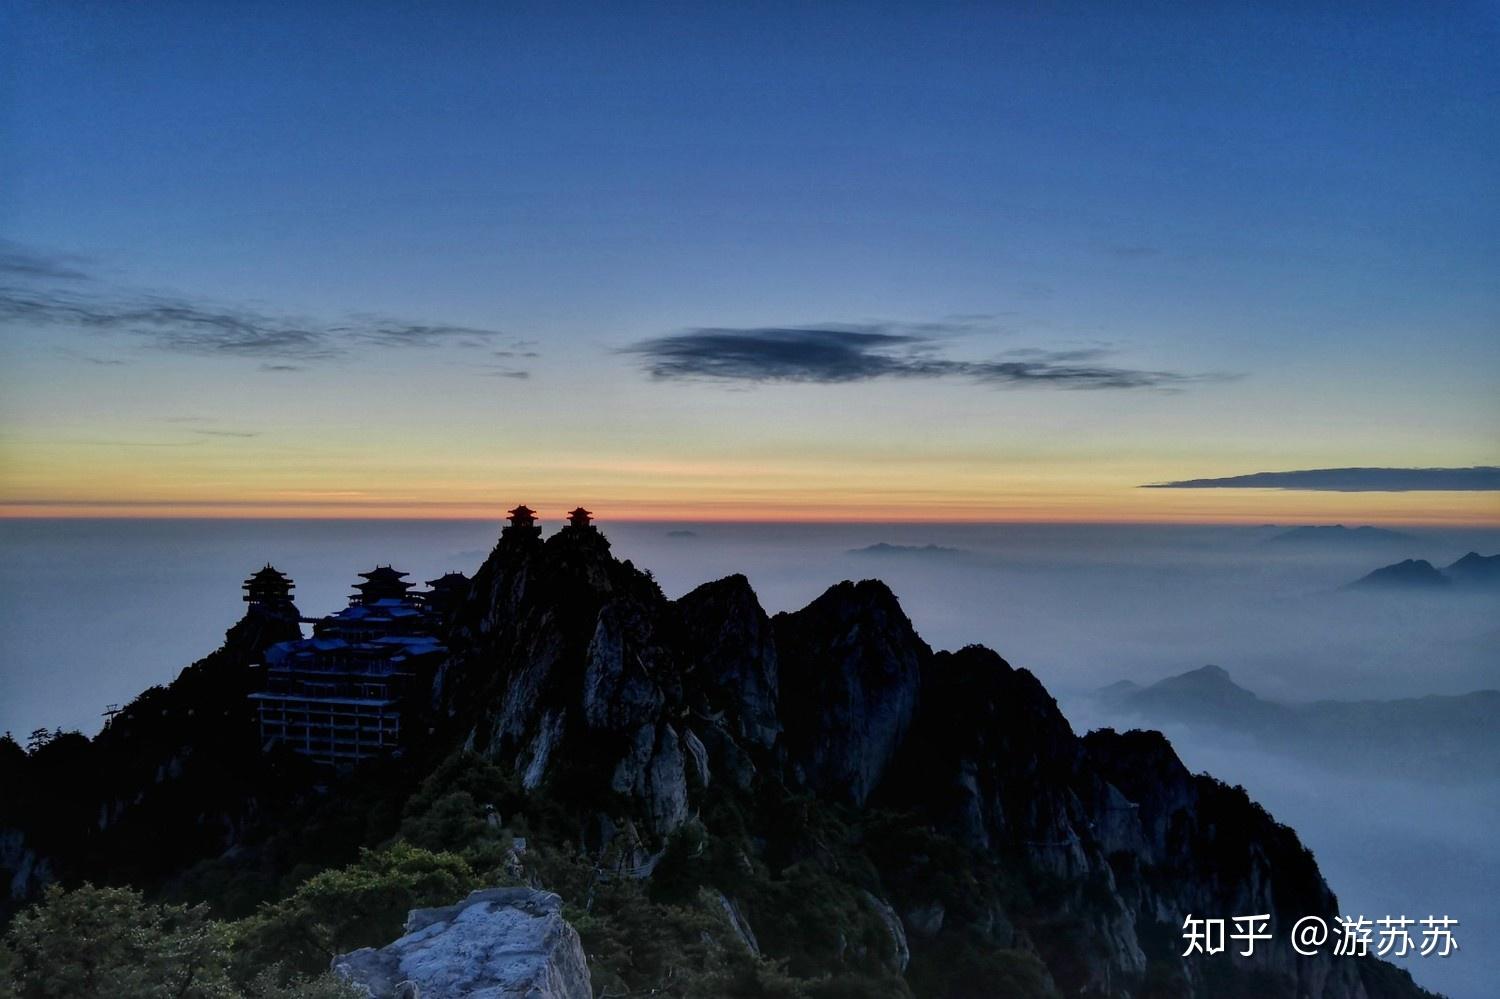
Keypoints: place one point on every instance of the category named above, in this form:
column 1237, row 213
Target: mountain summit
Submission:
column 1473, row 571
column 819, row 792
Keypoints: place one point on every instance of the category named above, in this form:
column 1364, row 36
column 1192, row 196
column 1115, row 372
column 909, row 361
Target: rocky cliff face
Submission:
column 650, row 717
column 851, row 681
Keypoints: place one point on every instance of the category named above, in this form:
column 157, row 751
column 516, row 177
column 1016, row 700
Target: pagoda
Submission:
column 268, row 589
column 380, row 583
column 522, row 523
column 580, row 518
column 446, row 592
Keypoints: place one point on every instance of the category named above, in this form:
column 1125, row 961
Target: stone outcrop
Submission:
column 23, row 874
column 503, row 943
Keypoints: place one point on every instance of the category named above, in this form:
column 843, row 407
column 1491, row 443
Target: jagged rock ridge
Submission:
column 576, row 669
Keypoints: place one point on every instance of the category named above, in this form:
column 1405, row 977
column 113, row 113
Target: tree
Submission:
column 358, row 906
column 109, row 942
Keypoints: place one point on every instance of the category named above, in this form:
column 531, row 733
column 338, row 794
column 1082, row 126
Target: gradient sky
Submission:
column 969, row 261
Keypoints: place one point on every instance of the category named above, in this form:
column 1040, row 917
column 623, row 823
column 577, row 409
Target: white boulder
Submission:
column 502, row 943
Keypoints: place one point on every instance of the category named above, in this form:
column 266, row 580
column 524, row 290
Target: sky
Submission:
column 824, row 262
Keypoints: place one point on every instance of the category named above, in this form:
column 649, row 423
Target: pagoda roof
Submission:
column 384, row 573
column 521, row 511
column 580, row 512
column 449, row 579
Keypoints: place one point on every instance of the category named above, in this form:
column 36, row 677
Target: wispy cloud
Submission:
column 78, row 355
column 1479, row 478
column 848, row 353
column 20, row 262
column 37, row 291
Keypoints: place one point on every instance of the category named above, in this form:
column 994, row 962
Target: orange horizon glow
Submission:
column 1270, row 506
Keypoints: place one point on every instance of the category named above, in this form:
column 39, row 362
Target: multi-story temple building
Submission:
column 268, row 589
column 341, row 695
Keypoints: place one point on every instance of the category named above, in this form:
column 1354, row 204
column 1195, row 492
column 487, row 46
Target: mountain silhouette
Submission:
column 1445, row 738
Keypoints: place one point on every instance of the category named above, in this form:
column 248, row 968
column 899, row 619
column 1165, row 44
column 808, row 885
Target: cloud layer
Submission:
column 1480, row 478
column 832, row 354
column 38, row 291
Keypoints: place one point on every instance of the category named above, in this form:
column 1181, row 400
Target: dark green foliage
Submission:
column 109, row 942
column 106, row 941
column 954, row 968
column 359, row 906
column 1164, row 980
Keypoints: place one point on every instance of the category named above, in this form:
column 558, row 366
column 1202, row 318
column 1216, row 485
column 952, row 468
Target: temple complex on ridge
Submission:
column 340, row 696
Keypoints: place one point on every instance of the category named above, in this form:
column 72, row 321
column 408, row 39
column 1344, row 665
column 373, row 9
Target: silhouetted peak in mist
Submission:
column 1475, row 569
column 885, row 548
column 1413, row 572
column 1338, row 534
column 1450, row 736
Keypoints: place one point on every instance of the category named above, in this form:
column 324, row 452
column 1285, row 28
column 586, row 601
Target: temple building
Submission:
column 522, row 523
column 380, row 583
column 446, row 593
column 268, row 589
column 580, row 518
column 339, row 697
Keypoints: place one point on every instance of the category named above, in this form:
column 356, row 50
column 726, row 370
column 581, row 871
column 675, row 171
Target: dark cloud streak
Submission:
column 1479, row 478
column 26, row 264
column 37, row 291
column 834, row 354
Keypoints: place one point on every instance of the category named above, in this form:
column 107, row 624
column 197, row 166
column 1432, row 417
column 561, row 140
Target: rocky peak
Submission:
column 851, row 670
column 994, row 759
column 730, row 657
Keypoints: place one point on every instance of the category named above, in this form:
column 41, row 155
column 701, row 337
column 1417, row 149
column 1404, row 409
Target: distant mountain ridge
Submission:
column 1433, row 737
column 885, row 548
column 1473, row 570
column 1338, row 534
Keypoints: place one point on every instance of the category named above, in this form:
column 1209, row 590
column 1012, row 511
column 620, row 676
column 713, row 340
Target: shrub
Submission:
column 363, row 905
